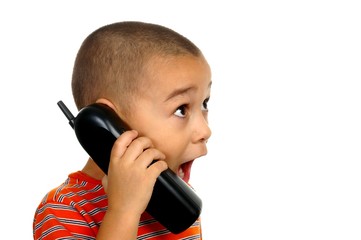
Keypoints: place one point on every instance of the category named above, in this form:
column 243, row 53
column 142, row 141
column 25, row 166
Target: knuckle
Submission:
column 161, row 165
column 142, row 143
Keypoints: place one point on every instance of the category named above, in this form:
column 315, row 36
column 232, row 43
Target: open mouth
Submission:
column 184, row 171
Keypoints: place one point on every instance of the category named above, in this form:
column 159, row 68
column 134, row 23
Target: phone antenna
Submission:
column 67, row 113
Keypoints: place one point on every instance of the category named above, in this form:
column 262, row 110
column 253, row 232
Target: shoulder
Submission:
column 77, row 188
column 78, row 204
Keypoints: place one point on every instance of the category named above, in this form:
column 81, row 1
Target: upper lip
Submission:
column 192, row 159
column 201, row 152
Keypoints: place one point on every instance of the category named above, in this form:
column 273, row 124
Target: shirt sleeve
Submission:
column 61, row 221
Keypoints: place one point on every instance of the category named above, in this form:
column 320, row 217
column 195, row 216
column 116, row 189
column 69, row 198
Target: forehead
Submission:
column 167, row 75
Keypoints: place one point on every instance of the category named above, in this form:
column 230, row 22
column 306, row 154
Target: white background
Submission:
column 284, row 158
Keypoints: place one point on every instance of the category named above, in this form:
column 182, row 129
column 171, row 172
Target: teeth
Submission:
column 181, row 173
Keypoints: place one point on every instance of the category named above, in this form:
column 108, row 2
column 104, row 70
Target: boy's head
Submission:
column 112, row 60
column 156, row 80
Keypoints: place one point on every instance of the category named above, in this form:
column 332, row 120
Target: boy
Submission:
column 158, row 82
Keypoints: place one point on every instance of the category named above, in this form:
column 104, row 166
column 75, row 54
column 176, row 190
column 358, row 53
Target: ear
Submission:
column 112, row 106
column 107, row 102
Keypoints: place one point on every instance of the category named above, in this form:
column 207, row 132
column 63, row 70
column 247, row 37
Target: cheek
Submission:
column 173, row 147
column 167, row 143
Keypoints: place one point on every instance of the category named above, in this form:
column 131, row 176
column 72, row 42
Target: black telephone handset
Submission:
column 173, row 203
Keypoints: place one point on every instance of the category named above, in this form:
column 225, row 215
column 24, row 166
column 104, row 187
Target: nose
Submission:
column 202, row 131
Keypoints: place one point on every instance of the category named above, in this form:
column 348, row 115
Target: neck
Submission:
column 92, row 170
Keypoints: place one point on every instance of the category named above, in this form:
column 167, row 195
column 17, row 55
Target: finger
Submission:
column 148, row 156
column 157, row 168
column 122, row 143
column 137, row 147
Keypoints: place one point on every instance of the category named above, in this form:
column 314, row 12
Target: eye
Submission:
column 205, row 104
column 181, row 111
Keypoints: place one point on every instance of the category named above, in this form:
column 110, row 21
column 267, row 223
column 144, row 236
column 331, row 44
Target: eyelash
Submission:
column 205, row 104
column 184, row 108
column 183, row 111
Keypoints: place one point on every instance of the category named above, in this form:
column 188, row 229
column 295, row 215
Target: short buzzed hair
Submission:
column 111, row 59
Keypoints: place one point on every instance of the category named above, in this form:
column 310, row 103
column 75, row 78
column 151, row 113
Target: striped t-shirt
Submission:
column 75, row 210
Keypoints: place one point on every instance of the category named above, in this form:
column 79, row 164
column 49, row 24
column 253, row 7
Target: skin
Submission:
column 170, row 124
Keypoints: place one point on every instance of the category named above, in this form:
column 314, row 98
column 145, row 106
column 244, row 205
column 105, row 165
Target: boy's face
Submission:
column 172, row 110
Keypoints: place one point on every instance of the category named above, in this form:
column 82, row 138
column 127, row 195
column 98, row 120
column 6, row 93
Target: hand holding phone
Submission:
column 131, row 173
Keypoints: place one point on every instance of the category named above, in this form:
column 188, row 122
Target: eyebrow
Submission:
column 181, row 91
column 177, row 92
